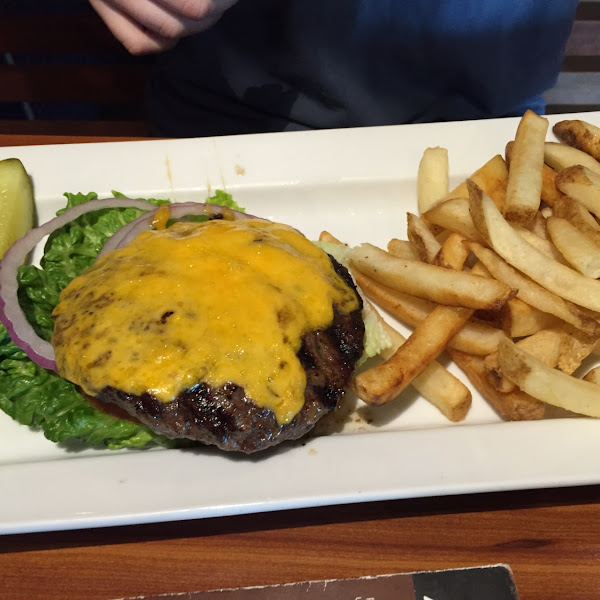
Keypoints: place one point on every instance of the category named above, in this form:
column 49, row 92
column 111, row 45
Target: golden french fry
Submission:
column 460, row 191
column 546, row 384
column 559, row 157
column 492, row 178
column 436, row 384
column 519, row 319
column 545, row 345
column 402, row 248
column 421, row 238
column 575, row 347
column 494, row 375
column 508, row 149
column 563, row 347
column 579, row 134
column 454, row 215
column 549, row 191
column 479, row 268
column 555, row 277
column 387, row 380
column 569, row 208
column 432, row 178
column 533, row 293
column 325, row 236
column 581, row 184
column 473, row 338
column 443, row 286
column 453, row 253
column 579, row 250
column 543, row 244
column 514, row 406
column 524, row 188
column 442, row 235
column 516, row 318
column 578, row 216
column 538, row 224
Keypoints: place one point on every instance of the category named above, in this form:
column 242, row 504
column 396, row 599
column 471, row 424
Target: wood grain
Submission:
column 550, row 538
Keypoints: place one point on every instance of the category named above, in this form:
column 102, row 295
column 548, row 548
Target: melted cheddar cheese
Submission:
column 215, row 302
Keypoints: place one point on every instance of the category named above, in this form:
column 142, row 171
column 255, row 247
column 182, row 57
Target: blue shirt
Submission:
column 272, row 65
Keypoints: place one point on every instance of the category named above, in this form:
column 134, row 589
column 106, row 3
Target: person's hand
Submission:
column 146, row 26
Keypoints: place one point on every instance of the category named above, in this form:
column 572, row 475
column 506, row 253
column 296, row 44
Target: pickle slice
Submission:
column 16, row 203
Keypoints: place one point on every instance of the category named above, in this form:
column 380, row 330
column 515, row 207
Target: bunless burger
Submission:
column 235, row 333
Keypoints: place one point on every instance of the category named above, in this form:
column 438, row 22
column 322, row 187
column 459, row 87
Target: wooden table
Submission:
column 550, row 539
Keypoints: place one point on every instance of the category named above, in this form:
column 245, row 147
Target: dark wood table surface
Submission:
column 550, row 539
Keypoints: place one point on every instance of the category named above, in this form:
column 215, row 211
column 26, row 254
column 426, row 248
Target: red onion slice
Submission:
column 11, row 313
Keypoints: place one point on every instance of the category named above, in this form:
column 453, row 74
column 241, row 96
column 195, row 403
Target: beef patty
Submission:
column 226, row 417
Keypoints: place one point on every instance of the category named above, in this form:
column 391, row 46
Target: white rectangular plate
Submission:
column 358, row 184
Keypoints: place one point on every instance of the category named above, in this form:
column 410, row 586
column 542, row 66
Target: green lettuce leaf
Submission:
column 224, row 199
column 38, row 397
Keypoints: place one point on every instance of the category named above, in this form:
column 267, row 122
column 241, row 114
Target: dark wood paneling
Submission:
column 554, row 109
column 53, row 127
column 56, row 34
column 588, row 11
column 117, row 84
column 581, row 64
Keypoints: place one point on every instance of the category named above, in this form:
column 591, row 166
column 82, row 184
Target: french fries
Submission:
column 549, row 191
column 583, row 136
column 443, row 286
column 523, row 192
column 519, row 319
column 543, row 244
column 579, row 216
column 387, row 380
column 535, row 294
column 512, row 406
column 474, row 338
column 502, row 274
column 575, row 347
column 492, row 178
column 454, row 215
column 581, row 252
column 545, row 345
column 581, row 184
column 546, row 384
column 432, row 178
column 436, row 384
column 421, row 238
column 559, row 157
column 453, row 253
column 403, row 249
column 555, row 277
